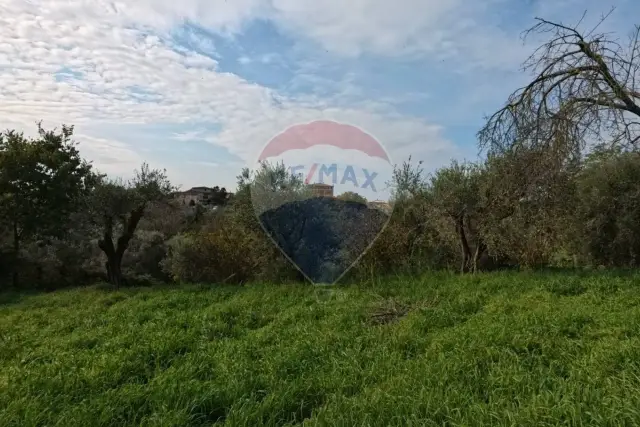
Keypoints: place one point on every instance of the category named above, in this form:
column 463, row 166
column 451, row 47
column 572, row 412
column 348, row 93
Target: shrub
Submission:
column 57, row 263
column 145, row 254
column 225, row 251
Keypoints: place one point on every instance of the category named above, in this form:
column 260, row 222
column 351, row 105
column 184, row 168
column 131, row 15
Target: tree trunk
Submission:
column 480, row 250
column 15, row 279
column 115, row 253
column 465, row 251
column 114, row 270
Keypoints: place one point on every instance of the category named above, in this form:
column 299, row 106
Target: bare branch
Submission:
column 584, row 86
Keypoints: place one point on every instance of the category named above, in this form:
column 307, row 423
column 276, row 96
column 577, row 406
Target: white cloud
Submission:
column 112, row 59
column 434, row 27
column 377, row 26
column 117, row 46
column 188, row 136
column 206, row 164
column 114, row 157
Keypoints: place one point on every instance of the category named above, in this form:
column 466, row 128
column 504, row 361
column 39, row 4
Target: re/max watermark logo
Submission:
column 331, row 173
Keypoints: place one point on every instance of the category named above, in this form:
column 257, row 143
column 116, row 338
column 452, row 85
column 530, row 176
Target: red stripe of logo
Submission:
column 323, row 132
column 311, row 172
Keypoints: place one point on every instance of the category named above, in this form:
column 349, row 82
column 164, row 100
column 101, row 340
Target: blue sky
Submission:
column 198, row 87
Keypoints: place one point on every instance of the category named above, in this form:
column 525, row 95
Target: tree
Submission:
column 585, row 88
column 447, row 203
column 272, row 186
column 43, row 181
column 411, row 199
column 219, row 197
column 608, row 208
column 119, row 206
column 525, row 205
column 455, row 194
column 584, row 91
column 352, row 197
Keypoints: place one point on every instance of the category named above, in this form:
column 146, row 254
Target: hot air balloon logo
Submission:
column 308, row 218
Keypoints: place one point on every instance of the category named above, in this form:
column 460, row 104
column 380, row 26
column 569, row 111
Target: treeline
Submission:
column 559, row 186
column 64, row 224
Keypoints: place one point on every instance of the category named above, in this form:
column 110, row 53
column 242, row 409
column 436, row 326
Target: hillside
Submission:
column 500, row 349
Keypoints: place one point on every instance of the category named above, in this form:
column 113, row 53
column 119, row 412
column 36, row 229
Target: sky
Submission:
column 198, row 87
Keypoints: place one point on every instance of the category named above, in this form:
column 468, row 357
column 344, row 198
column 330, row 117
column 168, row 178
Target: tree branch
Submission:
column 584, row 87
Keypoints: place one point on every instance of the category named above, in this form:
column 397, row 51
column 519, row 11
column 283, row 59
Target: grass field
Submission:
column 501, row 349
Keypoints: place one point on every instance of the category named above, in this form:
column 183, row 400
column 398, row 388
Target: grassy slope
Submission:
column 505, row 349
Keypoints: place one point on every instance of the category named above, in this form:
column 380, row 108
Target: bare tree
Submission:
column 585, row 88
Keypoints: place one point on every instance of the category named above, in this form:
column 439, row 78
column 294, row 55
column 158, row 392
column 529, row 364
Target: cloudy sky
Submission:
column 199, row 86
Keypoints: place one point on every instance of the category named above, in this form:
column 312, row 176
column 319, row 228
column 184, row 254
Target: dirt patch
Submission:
column 388, row 312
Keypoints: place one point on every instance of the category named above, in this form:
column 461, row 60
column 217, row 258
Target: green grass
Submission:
column 501, row 349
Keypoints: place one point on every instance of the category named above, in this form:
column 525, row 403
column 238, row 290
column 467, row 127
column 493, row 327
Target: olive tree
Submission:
column 118, row 207
column 351, row 196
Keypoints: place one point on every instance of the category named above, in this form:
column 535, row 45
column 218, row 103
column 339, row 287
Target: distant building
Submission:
column 199, row 195
column 321, row 190
column 188, row 197
column 381, row 205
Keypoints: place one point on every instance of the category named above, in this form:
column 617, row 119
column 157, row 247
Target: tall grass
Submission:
column 499, row 349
